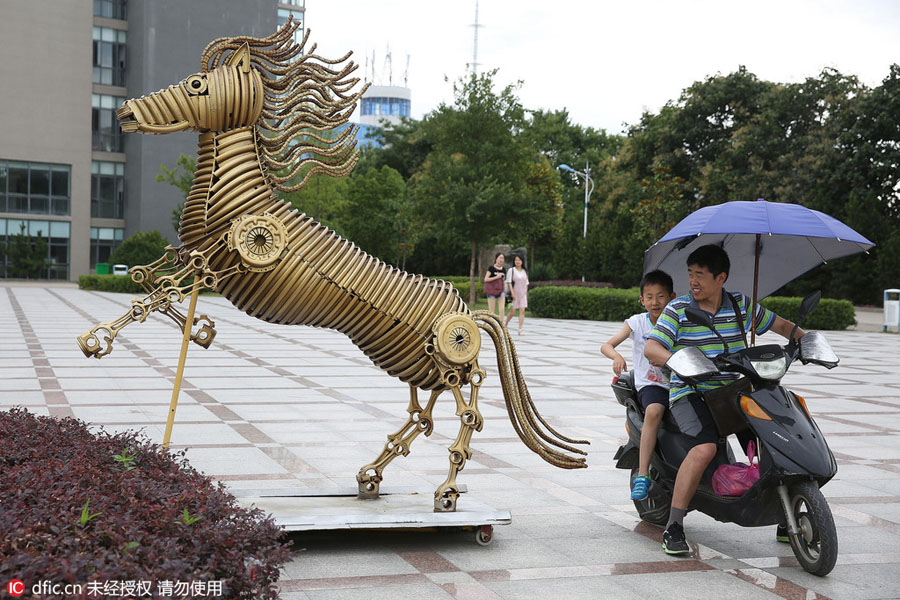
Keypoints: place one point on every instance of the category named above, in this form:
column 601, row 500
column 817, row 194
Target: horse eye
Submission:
column 196, row 84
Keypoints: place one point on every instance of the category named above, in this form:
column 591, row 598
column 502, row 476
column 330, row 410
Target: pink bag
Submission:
column 735, row 480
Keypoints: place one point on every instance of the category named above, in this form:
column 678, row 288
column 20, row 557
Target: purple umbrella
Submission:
column 770, row 244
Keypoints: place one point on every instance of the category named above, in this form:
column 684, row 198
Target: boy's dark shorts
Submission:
column 694, row 420
column 653, row 394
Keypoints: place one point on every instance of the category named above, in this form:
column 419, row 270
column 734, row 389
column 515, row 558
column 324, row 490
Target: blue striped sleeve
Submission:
column 765, row 318
column 666, row 330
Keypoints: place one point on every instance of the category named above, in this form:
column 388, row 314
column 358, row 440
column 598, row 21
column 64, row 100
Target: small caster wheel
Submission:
column 484, row 535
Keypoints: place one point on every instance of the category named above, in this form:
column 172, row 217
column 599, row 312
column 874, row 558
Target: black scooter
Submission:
column 794, row 459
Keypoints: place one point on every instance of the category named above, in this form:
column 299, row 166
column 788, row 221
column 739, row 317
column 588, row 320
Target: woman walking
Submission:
column 493, row 285
column 517, row 278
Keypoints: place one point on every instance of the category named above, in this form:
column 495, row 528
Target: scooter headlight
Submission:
column 770, row 369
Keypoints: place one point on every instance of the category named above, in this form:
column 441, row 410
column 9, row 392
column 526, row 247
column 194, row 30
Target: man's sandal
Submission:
column 641, row 487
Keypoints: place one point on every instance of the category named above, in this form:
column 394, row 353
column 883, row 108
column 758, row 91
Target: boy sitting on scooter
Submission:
column 651, row 382
column 708, row 268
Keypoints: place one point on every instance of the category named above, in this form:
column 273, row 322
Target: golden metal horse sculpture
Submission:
column 263, row 108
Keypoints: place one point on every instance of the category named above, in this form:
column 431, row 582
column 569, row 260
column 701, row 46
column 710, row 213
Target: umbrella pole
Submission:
column 755, row 287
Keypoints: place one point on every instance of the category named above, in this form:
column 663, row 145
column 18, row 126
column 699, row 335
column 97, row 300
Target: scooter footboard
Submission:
column 758, row 507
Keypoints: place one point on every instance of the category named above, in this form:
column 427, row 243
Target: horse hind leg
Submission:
column 398, row 443
column 447, row 493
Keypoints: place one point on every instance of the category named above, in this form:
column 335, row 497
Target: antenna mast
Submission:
column 389, row 66
column 475, row 26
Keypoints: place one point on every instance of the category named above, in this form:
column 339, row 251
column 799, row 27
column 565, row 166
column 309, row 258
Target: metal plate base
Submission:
column 320, row 510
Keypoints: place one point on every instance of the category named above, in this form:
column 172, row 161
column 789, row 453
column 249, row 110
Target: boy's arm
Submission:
column 608, row 349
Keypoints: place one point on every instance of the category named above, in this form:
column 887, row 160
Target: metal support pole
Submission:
column 188, row 324
column 587, row 179
column 755, row 288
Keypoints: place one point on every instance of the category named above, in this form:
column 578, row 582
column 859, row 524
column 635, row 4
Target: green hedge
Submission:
column 608, row 304
column 829, row 314
column 121, row 283
column 109, row 283
column 461, row 283
column 594, row 304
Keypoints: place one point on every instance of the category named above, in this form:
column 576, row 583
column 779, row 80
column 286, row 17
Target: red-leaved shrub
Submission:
column 80, row 507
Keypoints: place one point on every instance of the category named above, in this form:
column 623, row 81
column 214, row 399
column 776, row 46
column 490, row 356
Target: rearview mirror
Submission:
column 809, row 304
column 700, row 317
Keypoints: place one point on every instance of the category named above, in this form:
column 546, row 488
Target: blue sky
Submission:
column 608, row 61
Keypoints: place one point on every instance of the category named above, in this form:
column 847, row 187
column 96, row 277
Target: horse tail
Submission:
column 530, row 426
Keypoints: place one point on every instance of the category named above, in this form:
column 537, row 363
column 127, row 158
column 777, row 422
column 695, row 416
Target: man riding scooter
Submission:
column 708, row 268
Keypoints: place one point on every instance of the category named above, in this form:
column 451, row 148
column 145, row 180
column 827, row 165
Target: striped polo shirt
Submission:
column 675, row 331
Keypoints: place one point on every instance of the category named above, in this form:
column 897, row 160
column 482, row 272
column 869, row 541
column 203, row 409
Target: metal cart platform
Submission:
column 397, row 508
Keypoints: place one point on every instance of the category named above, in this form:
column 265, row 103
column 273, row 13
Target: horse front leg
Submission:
column 170, row 289
column 398, row 443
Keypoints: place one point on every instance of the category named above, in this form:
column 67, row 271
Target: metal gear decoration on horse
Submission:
column 269, row 116
column 260, row 240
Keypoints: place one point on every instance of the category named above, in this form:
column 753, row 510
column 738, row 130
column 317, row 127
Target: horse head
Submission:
column 226, row 97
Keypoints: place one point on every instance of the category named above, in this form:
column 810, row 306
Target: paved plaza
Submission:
column 269, row 406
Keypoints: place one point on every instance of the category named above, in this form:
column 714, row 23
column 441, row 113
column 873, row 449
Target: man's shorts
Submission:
column 694, row 420
column 653, row 394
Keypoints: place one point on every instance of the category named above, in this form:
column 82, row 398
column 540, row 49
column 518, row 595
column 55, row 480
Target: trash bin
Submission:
column 120, row 269
column 891, row 309
column 102, row 268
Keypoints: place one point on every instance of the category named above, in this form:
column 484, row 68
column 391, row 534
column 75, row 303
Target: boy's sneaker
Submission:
column 641, row 487
column 781, row 534
column 673, row 540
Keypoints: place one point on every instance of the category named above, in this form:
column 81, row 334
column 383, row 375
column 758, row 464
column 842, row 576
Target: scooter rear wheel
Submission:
column 655, row 507
column 816, row 545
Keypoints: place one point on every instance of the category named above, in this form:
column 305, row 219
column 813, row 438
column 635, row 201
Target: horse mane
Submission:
column 306, row 97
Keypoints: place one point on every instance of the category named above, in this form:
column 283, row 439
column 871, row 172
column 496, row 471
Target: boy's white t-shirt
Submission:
column 644, row 373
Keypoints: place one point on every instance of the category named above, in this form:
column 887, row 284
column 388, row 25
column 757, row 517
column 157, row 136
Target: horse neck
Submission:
column 228, row 182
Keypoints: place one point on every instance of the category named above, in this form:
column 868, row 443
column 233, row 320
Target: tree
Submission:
column 375, row 216
column 142, row 248
column 473, row 179
column 182, row 177
column 323, row 198
column 27, row 255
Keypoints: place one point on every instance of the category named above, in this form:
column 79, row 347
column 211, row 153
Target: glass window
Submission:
column 55, row 233
column 103, row 241
column 111, row 9
column 107, row 190
column 40, row 180
column 109, row 56
column 38, row 188
column 107, row 136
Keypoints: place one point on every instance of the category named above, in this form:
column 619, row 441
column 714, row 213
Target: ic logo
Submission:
column 15, row 587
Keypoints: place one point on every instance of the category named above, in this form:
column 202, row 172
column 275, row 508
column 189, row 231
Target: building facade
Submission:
column 77, row 181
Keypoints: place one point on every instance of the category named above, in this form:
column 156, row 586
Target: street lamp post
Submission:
column 588, row 190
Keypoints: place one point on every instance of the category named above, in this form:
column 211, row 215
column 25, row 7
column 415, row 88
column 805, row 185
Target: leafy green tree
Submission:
column 323, row 198
column 142, row 248
column 473, row 179
column 27, row 255
column 182, row 177
column 376, row 215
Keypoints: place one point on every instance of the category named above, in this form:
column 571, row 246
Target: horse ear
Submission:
column 241, row 58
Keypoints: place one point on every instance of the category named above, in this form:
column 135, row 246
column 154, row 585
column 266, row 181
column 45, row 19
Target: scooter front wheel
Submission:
column 816, row 543
column 655, row 507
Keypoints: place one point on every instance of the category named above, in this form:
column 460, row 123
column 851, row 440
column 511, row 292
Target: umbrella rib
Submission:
column 822, row 258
